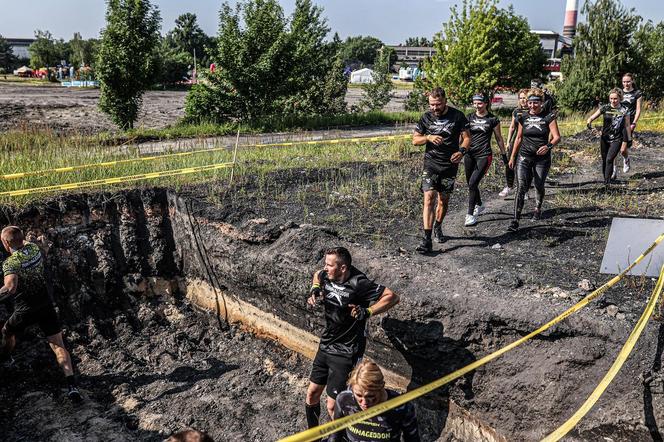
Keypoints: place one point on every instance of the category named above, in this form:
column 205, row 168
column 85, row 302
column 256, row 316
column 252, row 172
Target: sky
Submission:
column 392, row 21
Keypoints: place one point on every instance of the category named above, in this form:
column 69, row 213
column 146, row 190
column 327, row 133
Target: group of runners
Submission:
column 451, row 137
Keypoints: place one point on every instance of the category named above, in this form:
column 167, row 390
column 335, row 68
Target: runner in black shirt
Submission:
column 537, row 135
column 632, row 102
column 549, row 103
column 616, row 123
column 366, row 389
column 440, row 129
column 349, row 299
column 511, row 134
column 477, row 160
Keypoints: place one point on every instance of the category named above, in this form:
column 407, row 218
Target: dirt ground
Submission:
column 75, row 110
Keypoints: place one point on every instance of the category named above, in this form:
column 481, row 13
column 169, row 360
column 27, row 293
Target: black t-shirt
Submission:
column 388, row 426
column 448, row 126
column 481, row 130
column 535, row 132
column 345, row 335
column 549, row 105
column 629, row 101
column 614, row 121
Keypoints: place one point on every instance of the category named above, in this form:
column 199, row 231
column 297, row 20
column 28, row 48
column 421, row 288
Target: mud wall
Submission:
column 156, row 242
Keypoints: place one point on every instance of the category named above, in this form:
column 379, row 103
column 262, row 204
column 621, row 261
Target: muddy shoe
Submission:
column 537, row 215
column 438, row 233
column 626, row 165
column 479, row 210
column 471, row 220
column 74, row 395
column 425, row 246
column 506, row 191
column 514, row 226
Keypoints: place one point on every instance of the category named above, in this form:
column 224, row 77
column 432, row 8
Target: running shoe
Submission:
column 74, row 395
column 479, row 210
column 514, row 226
column 527, row 195
column 506, row 191
column 626, row 165
column 438, row 233
column 471, row 220
column 537, row 215
column 425, row 246
column 614, row 175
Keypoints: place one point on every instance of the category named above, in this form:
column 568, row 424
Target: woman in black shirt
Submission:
column 616, row 123
column 537, row 135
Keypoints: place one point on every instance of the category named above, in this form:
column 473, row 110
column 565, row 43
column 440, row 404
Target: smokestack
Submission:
column 571, row 11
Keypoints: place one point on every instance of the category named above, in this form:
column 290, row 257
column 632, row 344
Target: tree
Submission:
column 125, row 63
column 360, row 51
column 82, row 52
column 46, row 51
column 269, row 65
column 7, row 58
column 467, row 58
column 601, row 54
column 648, row 60
column 419, row 42
column 188, row 36
column 379, row 92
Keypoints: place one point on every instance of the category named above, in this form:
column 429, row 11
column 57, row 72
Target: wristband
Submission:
column 462, row 150
column 589, row 126
column 369, row 312
column 549, row 145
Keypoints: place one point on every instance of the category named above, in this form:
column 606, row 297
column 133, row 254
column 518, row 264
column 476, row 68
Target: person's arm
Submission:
column 316, row 292
column 465, row 144
column 511, row 131
column 553, row 140
column 10, row 286
column 628, row 127
column 420, row 139
column 592, row 118
column 385, row 301
column 517, row 145
column 637, row 114
column 499, row 139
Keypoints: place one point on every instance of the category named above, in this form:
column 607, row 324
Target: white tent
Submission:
column 362, row 76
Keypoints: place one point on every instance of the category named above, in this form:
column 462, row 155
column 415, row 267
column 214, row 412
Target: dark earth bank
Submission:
column 150, row 363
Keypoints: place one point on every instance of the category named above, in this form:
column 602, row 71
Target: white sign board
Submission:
column 628, row 238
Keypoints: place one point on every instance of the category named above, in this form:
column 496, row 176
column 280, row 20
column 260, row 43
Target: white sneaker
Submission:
column 614, row 175
column 527, row 195
column 471, row 220
column 625, row 165
column 479, row 210
column 506, row 191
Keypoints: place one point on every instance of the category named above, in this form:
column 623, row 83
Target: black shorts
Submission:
column 46, row 317
column 333, row 371
column 441, row 180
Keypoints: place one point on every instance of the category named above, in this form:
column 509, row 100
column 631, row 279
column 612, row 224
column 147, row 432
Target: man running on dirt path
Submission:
column 24, row 280
column 439, row 129
column 349, row 299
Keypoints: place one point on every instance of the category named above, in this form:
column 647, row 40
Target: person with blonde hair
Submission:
column 366, row 388
column 531, row 157
column 615, row 127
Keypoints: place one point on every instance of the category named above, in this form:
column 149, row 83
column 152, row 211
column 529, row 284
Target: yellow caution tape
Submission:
column 116, row 180
column 615, row 368
column 193, row 152
column 345, row 422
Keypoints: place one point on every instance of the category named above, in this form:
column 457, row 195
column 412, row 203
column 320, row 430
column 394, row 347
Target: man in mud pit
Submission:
column 349, row 299
column 25, row 282
column 439, row 129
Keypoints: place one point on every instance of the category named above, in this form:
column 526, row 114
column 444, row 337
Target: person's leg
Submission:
column 312, row 404
column 443, row 205
column 8, row 343
column 340, row 368
column 540, row 172
column 483, row 165
column 611, row 154
column 603, row 150
column 61, row 354
column 470, row 167
column 523, row 179
column 428, row 209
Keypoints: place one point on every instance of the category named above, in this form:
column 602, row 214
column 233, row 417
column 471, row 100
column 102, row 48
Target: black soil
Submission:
column 150, row 364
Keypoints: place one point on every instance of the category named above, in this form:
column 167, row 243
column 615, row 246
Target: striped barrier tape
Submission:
column 347, row 421
column 10, row 176
column 615, row 368
column 116, row 180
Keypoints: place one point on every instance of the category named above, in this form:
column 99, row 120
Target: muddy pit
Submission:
column 186, row 310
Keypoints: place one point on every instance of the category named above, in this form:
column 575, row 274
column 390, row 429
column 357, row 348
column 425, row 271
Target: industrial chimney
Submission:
column 571, row 11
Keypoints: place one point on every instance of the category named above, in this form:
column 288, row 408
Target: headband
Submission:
column 534, row 98
column 480, row 97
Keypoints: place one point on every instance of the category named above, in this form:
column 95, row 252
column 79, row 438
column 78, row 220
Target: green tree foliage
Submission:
column 47, row 51
column 378, row 93
column 7, row 58
column 419, row 41
column 125, row 64
column 188, row 36
column 268, row 65
column 360, row 51
column 82, row 52
column 601, row 54
column 176, row 52
column 649, row 59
